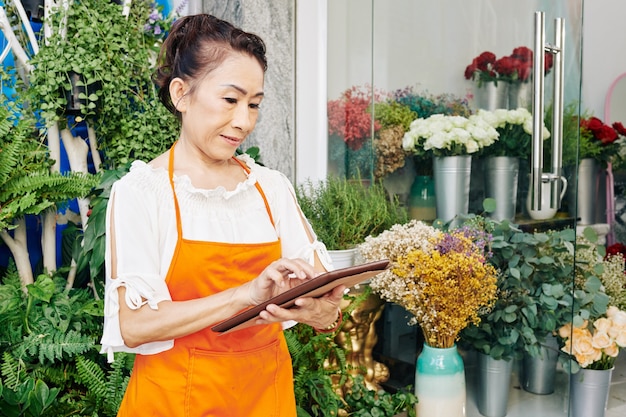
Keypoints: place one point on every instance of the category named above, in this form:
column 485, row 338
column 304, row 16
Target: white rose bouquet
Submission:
column 447, row 135
column 515, row 128
column 595, row 345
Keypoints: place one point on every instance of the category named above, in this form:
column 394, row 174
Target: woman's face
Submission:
column 223, row 107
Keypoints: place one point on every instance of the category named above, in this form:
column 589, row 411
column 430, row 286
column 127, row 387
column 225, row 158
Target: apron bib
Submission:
column 239, row 374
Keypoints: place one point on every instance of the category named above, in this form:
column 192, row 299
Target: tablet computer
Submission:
column 315, row 287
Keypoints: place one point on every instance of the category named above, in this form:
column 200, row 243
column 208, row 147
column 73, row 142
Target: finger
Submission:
column 298, row 268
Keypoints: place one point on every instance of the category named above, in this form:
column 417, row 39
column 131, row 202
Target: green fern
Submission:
column 12, row 371
column 57, row 346
column 106, row 390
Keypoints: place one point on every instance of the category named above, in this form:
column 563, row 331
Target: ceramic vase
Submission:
column 501, row 174
column 589, row 392
column 440, row 382
column 342, row 258
column 494, row 382
column 452, row 185
column 422, row 201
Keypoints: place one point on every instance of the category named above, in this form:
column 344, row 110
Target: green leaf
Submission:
column 43, row 289
column 590, row 234
column 489, row 205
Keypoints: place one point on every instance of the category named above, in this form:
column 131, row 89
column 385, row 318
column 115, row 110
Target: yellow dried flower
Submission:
column 443, row 279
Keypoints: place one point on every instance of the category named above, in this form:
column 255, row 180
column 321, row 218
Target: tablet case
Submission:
column 315, row 287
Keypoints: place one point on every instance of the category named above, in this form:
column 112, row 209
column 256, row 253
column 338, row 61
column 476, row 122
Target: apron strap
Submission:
column 170, row 172
column 258, row 187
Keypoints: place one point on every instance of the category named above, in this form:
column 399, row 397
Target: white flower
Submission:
column 450, row 134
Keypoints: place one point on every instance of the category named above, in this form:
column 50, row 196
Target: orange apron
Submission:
column 245, row 373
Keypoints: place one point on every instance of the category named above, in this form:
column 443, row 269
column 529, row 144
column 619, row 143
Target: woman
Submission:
column 197, row 235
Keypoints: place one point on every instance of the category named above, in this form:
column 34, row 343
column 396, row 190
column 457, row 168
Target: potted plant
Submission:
column 324, row 384
column 502, row 157
column 593, row 347
column 443, row 280
column 343, row 212
column 351, row 128
column 52, row 362
column 450, row 141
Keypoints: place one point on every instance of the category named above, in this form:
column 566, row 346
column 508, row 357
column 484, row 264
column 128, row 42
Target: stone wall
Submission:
column 274, row 21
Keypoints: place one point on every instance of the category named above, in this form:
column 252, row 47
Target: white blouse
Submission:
column 142, row 205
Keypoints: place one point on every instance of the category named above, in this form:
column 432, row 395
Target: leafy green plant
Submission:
column 49, row 360
column 113, row 57
column 537, row 291
column 362, row 402
column 323, row 384
column 344, row 212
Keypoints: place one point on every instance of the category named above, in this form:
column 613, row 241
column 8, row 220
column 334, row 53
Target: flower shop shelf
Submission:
column 556, row 223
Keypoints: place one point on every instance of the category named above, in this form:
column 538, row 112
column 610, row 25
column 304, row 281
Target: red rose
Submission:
column 506, row 66
column 619, row 128
column 593, row 123
column 616, row 249
column 523, row 54
column 524, row 70
column 469, row 71
column 485, row 60
column 606, row 134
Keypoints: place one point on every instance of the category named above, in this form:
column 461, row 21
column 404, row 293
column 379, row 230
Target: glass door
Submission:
column 393, row 61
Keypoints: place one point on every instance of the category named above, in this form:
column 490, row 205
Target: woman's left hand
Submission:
column 316, row 312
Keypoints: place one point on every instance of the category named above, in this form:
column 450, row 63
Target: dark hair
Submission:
column 198, row 44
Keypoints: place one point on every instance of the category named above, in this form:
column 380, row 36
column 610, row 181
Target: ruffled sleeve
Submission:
column 138, row 269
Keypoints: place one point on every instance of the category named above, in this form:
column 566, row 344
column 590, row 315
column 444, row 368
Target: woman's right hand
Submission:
column 278, row 277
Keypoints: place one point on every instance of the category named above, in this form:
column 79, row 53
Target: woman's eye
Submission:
column 255, row 106
column 230, row 100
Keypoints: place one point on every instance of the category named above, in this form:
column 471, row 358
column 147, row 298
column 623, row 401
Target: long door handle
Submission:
column 537, row 176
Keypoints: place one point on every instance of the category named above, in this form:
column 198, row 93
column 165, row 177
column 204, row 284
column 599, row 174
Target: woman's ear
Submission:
column 178, row 94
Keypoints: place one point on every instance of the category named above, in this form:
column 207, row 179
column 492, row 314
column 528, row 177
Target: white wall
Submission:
column 604, row 52
column 350, row 60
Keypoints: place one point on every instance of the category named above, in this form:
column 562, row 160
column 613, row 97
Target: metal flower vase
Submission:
column 501, row 175
column 520, row 95
column 589, row 392
column 584, row 199
column 494, row 382
column 440, row 382
column 491, row 95
column 452, row 185
column 539, row 372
